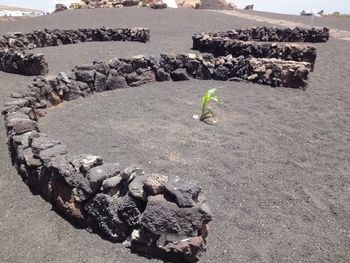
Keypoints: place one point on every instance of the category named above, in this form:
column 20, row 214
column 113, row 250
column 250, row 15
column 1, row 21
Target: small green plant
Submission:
column 208, row 97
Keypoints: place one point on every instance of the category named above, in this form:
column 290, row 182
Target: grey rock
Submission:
column 142, row 76
column 73, row 92
column 161, row 217
column 47, row 154
column 98, row 174
column 104, row 209
column 22, row 139
column 18, row 124
column 221, row 73
column 131, row 172
column 192, row 66
column 102, row 68
column 136, row 187
column 139, row 63
column 86, row 161
column 162, row 75
column 129, row 211
column 185, row 192
column 85, row 75
column 179, row 75
column 40, row 142
column 100, row 82
column 203, row 72
column 125, row 68
column 62, row 168
column 111, row 183
column 30, row 159
column 83, row 86
column 63, row 76
column 116, row 82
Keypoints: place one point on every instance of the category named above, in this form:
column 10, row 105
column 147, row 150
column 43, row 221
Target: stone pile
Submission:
column 19, row 62
column 220, row 46
column 14, row 59
column 274, row 34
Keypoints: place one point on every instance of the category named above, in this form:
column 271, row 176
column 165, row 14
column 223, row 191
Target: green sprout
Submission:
column 208, row 97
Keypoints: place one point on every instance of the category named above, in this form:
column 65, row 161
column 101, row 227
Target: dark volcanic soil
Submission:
column 275, row 168
column 342, row 23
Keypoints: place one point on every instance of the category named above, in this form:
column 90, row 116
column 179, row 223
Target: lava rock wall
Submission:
column 85, row 80
column 274, row 34
column 161, row 215
column 14, row 59
column 19, row 62
column 221, row 46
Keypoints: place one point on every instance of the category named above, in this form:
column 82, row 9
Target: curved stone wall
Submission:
column 221, row 46
column 161, row 215
column 274, row 34
column 14, row 59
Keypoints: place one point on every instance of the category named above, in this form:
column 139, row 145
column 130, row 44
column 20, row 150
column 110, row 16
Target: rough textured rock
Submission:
column 60, row 8
column 185, row 192
column 190, row 249
column 162, row 217
column 19, row 62
column 19, row 123
column 129, row 211
column 115, row 81
column 136, row 187
column 179, row 75
column 85, row 75
column 158, row 5
column 104, row 210
column 161, row 75
column 97, row 175
column 69, row 175
column 155, row 183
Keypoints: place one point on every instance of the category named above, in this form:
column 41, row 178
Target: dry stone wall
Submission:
column 161, row 215
column 14, row 58
column 274, row 34
column 221, row 46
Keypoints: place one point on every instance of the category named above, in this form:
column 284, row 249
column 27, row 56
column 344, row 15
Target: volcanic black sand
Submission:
column 275, row 168
column 342, row 23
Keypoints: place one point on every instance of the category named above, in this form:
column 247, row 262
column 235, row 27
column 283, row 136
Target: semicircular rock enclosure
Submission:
column 160, row 215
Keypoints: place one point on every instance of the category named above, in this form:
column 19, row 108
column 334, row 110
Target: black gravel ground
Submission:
column 275, row 168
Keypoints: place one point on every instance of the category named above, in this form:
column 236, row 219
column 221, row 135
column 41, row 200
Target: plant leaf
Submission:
column 217, row 99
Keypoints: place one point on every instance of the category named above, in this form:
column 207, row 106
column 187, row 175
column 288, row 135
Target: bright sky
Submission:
column 277, row 6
